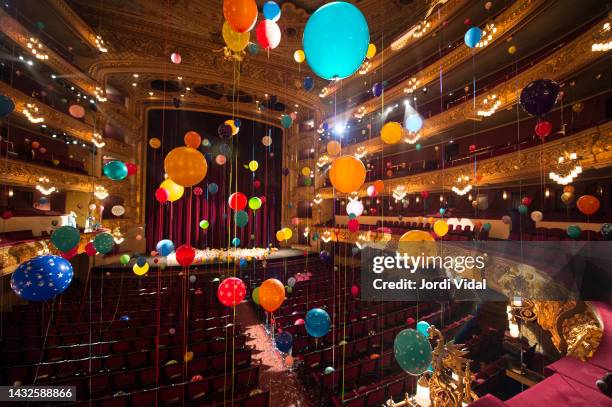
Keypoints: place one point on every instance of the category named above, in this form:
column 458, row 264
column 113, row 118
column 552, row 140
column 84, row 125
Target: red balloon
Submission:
column 526, row 201
column 262, row 199
column 90, row 249
column 70, row 253
column 256, row 183
column 132, row 168
column 425, row 194
column 353, row 225
column 162, row 195
column 185, row 255
column 472, row 148
column 231, row 291
column 543, row 129
column 237, row 201
column 7, row 214
column 197, row 191
column 373, row 211
column 354, row 291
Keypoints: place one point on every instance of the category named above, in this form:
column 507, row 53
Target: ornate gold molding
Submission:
column 116, row 147
column 594, row 145
column 75, row 22
column 582, row 334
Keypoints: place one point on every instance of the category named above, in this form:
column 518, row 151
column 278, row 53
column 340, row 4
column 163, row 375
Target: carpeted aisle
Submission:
column 285, row 388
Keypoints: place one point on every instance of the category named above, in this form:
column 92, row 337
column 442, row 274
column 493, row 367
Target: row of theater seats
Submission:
column 554, row 234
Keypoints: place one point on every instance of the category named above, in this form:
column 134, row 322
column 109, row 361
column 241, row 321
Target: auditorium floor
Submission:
column 285, row 388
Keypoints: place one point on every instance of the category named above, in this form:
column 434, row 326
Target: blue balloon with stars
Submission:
column 42, row 277
column 412, row 351
column 317, row 322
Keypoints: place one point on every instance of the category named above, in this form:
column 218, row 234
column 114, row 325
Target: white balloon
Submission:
column 291, row 281
column 536, row 216
column 118, row 210
column 266, row 141
column 372, row 191
column 192, row 279
column 355, row 207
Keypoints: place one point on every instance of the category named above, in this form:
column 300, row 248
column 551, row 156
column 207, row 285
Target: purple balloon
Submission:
column 285, row 171
column 539, row 96
column 377, row 89
column 225, row 131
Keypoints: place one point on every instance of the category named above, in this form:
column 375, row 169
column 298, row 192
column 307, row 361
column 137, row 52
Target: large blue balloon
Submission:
column 164, row 247
column 539, row 96
column 271, row 11
column 42, row 277
column 284, row 341
column 414, row 123
column 336, row 40
column 412, row 351
column 317, row 322
column 115, row 170
column 65, row 238
column 6, row 105
column 472, row 36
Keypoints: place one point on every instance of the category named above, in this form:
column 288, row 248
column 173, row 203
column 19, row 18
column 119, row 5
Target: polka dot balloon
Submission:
column 231, row 291
column 412, row 351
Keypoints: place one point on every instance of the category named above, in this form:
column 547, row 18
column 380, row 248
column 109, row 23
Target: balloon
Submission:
column 185, row 166
column 253, row 165
column 523, row 209
column 574, row 231
column 567, row 197
column 377, row 89
column 213, row 188
column 414, row 123
column 347, row 173
column 308, row 83
column 606, row 231
column 175, row 57
column 241, row 218
column 288, row 233
column 329, row 370
column 442, row 211
column 412, row 351
column 588, row 204
column 299, row 56
column 237, row 201
column 305, row 171
column 236, row 243
column 317, row 322
column 512, row 49
column 280, row 236
column 185, row 255
column 224, row 131
column 291, row 281
column 131, row 168
column 286, row 121
column 266, row 141
column 568, row 188
column 441, row 228
column 271, row 294
column 204, row 224
column 353, row 225
column 175, row 191
column 539, row 96
column 104, row 243
column 240, row 14
column 543, row 129
column 192, row 139
column 255, row 295
column 391, row 132
column 354, row 207
column 371, row 191
column 486, row 227
column 65, row 238
column 418, row 147
column 336, row 40
column 333, row 148
column 6, row 105
column 379, row 185
column 90, row 250
column 198, row 191
column 506, row 220
column 472, row 36
column 235, row 41
column 164, row 247
column 536, row 216
column 41, row 278
column 117, row 210
column 284, row 341
column 371, row 51
column 115, row 170
column 35, row 144
column 254, row 203
column 268, row 34
column 234, row 127
column 324, row 255
column 140, row 270
column 354, row 291
column 124, row 259
column 526, row 200
column 231, row 291
column 253, row 48
column 271, row 11
column 76, row 111
column 422, row 327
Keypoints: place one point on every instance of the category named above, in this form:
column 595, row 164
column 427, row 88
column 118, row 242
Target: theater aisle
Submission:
column 285, row 388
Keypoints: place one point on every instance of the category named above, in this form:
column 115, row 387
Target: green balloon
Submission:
column 307, row 182
column 65, row 238
column 418, row 147
column 574, row 231
column 241, row 218
column 254, row 203
column 289, row 289
column 104, row 243
column 124, row 259
column 523, row 209
column 412, row 351
column 204, row 224
column 255, row 295
column 486, row 226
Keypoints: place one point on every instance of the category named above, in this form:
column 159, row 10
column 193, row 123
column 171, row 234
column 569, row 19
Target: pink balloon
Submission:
column 220, row 159
column 175, row 58
column 354, row 291
column 299, row 321
column 353, row 225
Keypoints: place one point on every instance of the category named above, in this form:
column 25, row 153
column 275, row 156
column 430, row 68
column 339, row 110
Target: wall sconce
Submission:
column 547, row 193
column 505, row 195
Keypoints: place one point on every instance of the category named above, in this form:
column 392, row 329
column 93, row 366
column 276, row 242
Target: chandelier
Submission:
column 317, row 200
column 361, row 152
column 118, row 236
column 44, row 186
column 566, row 169
column 361, row 112
column 322, row 161
column 36, row 48
column 100, row 94
column 412, row 137
column 605, row 43
column 306, row 231
column 324, row 92
column 365, row 68
column 100, row 44
column 360, row 241
column 100, row 192
column 463, row 187
column 399, row 193
column 327, row 236
column 413, row 83
column 97, row 140
column 487, row 35
column 420, row 29
column 490, row 105
column 31, row 112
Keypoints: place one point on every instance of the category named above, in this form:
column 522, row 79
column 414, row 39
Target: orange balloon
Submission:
column 192, row 139
column 240, row 14
column 347, row 173
column 587, row 204
column 569, row 189
column 271, row 294
column 185, row 166
column 379, row 185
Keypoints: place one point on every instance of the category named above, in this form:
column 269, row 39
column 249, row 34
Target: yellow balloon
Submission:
column 189, row 355
column 391, row 133
column 280, row 236
column 253, row 165
column 288, row 233
column 441, row 228
column 347, row 173
column 416, row 243
column 512, row 49
column 175, row 191
column 234, row 40
column 186, row 166
column 299, row 56
column 371, row 51
column 333, row 148
column 140, row 271
column 305, row 171
column 235, row 129
column 154, row 143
